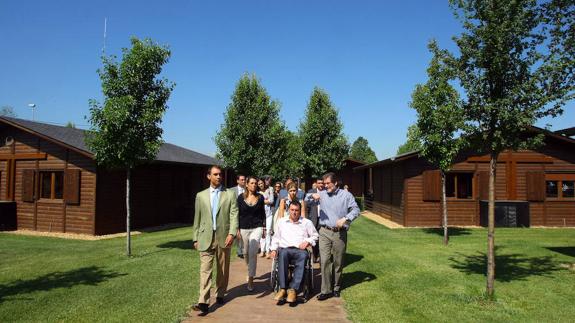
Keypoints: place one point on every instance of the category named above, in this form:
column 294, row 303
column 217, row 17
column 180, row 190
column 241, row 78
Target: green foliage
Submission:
column 293, row 163
column 323, row 143
column 70, row 124
column 125, row 130
column 253, row 140
column 7, row 111
column 413, row 142
column 516, row 66
column 439, row 113
column 360, row 202
column 361, row 151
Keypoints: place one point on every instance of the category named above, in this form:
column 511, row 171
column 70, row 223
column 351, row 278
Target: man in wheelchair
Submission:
column 290, row 242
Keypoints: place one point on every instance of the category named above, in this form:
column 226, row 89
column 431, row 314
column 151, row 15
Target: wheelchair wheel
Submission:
column 308, row 280
column 274, row 283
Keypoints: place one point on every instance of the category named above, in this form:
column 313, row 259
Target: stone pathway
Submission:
column 259, row 305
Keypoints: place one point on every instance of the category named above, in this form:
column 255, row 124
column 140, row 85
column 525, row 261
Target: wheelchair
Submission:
column 307, row 285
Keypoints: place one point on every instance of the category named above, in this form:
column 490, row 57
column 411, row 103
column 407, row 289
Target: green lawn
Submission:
column 391, row 276
column 409, row 276
column 49, row 279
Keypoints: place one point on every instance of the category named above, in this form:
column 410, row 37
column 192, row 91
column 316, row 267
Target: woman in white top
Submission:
column 268, row 194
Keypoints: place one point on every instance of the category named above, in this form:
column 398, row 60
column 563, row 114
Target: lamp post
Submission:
column 33, row 106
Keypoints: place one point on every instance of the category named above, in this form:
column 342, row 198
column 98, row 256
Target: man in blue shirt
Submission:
column 337, row 210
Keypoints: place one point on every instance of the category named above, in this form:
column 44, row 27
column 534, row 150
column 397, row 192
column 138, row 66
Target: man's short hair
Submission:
column 239, row 175
column 319, row 179
column 295, row 202
column 331, row 176
column 212, row 167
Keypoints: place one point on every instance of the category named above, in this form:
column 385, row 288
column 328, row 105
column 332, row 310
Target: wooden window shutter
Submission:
column 536, row 186
column 28, row 185
column 72, row 186
column 483, row 185
column 432, row 185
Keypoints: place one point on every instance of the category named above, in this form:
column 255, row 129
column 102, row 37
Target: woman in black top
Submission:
column 252, row 220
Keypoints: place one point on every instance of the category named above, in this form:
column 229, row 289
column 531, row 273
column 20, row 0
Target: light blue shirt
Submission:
column 334, row 206
column 213, row 191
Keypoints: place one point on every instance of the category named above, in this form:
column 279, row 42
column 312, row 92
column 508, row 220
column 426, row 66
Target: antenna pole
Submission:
column 105, row 27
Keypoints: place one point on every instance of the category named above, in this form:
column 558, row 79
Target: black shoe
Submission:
column 241, row 256
column 336, row 294
column 323, row 297
column 220, row 300
column 201, row 307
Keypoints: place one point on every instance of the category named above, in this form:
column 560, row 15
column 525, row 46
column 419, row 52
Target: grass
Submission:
column 409, row 276
column 49, row 279
column 391, row 276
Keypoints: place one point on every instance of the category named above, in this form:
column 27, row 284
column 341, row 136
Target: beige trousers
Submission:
column 222, row 256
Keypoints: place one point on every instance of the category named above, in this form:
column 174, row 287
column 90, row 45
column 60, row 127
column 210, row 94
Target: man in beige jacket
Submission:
column 215, row 226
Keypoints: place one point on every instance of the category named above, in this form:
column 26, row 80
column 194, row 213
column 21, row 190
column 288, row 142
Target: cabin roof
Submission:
column 73, row 138
column 560, row 135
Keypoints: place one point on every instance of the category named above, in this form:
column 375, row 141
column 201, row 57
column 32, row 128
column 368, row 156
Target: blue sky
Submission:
column 368, row 55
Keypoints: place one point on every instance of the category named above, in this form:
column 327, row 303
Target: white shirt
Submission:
column 240, row 190
column 292, row 234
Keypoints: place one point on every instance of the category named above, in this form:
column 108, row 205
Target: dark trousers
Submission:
column 291, row 256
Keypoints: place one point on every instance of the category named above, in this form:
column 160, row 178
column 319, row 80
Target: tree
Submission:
column 323, row 143
column 516, row 66
column 253, row 140
column 7, row 111
column 361, row 151
column 70, row 124
column 292, row 165
column 125, row 129
column 439, row 119
column 413, row 143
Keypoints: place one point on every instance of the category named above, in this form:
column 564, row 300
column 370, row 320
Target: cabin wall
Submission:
column 47, row 214
column 388, row 198
column 160, row 194
column 555, row 157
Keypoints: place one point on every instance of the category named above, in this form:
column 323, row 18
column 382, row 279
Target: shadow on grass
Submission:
column 351, row 258
column 508, row 267
column 356, row 277
column 567, row 251
column 182, row 244
column 84, row 276
column 453, row 232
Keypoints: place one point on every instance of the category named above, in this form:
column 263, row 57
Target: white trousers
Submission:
column 251, row 241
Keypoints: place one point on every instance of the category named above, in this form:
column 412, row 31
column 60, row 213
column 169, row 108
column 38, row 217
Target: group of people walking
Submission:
column 277, row 221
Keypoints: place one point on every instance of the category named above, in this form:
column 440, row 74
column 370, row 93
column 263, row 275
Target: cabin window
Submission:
column 560, row 186
column 459, row 185
column 51, row 184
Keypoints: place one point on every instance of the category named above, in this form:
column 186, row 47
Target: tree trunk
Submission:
column 491, row 228
column 128, row 238
column 444, row 209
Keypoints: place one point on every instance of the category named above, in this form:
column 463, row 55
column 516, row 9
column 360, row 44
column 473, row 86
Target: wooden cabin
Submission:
column 533, row 187
column 350, row 178
column 49, row 181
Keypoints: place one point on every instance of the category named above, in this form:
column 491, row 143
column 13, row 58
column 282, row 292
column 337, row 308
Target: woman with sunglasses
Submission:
column 292, row 196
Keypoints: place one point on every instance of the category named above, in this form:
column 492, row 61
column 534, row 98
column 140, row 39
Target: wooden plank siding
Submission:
column 45, row 214
column 160, row 194
column 405, row 204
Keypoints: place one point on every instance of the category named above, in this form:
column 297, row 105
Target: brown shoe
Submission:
column 291, row 296
column 281, row 294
